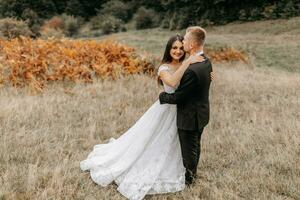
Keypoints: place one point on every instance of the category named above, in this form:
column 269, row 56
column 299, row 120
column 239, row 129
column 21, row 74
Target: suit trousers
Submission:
column 190, row 142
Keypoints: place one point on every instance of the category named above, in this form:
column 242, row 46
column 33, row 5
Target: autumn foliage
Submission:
column 34, row 63
column 226, row 54
column 25, row 61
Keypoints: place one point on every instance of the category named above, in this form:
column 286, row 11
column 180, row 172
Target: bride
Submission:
column 147, row 159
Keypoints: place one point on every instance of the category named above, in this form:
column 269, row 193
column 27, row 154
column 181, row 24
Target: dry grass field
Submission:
column 250, row 149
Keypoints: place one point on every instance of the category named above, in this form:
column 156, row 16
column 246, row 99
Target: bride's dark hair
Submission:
column 167, row 56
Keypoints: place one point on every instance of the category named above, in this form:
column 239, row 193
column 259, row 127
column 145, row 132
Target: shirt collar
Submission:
column 199, row 53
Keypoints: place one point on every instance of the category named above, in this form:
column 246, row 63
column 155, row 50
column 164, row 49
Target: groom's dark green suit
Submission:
column 192, row 99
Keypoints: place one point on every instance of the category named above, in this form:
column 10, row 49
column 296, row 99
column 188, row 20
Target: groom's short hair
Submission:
column 198, row 34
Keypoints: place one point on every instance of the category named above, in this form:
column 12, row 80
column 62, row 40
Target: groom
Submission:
column 192, row 99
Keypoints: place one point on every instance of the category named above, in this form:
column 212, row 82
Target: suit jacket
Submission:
column 192, row 97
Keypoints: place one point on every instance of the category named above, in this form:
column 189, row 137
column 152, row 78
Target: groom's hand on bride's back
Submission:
column 212, row 75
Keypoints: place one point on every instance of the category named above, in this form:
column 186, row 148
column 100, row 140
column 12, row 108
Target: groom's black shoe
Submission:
column 189, row 178
column 190, row 182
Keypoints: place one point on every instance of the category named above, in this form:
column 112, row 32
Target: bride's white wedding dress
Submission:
column 146, row 159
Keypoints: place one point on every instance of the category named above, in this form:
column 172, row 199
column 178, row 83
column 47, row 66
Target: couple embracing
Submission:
column 161, row 151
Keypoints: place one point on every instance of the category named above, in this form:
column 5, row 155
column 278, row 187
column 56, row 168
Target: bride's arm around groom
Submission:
column 187, row 85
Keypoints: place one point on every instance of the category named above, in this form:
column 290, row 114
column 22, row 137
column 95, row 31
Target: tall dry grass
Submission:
column 250, row 149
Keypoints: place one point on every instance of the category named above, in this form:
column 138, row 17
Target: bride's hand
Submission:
column 191, row 60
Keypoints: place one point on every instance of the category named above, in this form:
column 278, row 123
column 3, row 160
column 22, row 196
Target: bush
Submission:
column 173, row 23
column 53, row 28
column 33, row 20
column 55, row 23
column 31, row 16
column 96, row 22
column 289, row 10
column 1, row 35
column 52, row 33
column 74, row 60
column 254, row 14
column 184, row 19
column 12, row 28
column 165, row 23
column 110, row 24
column 117, row 9
column 64, row 24
column 87, row 31
column 71, row 24
column 107, row 23
column 146, row 18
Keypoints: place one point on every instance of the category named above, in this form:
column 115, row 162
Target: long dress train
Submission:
column 146, row 159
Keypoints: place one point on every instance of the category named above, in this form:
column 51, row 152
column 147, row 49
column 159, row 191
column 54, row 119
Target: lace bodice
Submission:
column 167, row 88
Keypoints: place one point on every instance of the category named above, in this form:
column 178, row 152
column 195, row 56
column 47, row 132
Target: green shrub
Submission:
column 96, row 22
column 269, row 12
column 55, row 22
column 71, row 24
column 107, row 23
column 52, row 33
column 289, row 10
column 173, row 22
column 165, row 23
column 180, row 20
column 87, row 31
column 117, row 9
column 146, row 18
column 64, row 24
column 111, row 24
column 242, row 15
column 33, row 20
column 184, row 19
column 30, row 16
column 12, row 28
column 254, row 14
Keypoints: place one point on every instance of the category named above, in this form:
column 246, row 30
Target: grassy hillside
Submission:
column 251, row 146
column 268, row 43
